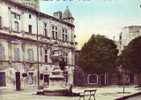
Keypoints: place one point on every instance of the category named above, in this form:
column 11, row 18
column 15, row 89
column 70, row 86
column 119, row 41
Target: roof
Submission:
column 133, row 26
column 67, row 13
column 40, row 14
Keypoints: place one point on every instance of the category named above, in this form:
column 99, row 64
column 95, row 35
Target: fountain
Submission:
column 57, row 84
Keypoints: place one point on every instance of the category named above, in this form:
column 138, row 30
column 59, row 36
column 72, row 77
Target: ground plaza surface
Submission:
column 103, row 93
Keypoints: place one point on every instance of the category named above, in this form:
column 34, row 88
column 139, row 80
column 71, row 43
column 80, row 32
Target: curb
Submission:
column 128, row 96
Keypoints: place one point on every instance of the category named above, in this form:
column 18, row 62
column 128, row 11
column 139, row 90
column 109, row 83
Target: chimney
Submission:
column 58, row 14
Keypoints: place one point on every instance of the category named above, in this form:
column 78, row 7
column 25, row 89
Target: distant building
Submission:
column 29, row 39
column 127, row 34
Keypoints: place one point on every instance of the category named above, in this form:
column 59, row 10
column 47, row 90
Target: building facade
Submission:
column 28, row 41
column 30, row 3
column 127, row 34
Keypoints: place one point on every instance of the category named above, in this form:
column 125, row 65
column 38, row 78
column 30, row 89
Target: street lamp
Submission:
column 122, row 76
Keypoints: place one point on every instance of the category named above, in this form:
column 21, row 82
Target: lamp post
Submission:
column 123, row 82
column 122, row 78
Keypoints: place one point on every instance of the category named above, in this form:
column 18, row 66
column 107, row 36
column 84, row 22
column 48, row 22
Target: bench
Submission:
column 90, row 93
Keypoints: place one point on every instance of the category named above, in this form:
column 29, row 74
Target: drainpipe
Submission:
column 38, row 69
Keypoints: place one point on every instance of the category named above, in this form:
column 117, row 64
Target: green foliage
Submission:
column 131, row 56
column 98, row 55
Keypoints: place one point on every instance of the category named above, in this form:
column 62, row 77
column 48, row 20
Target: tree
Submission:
column 131, row 56
column 98, row 55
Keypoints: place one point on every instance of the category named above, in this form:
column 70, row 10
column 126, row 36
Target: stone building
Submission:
column 128, row 33
column 29, row 39
column 30, row 3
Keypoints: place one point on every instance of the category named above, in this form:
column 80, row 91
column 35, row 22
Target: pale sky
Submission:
column 105, row 17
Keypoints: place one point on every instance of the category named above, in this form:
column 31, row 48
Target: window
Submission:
column 56, row 28
column 45, row 29
column 30, row 16
column 16, row 26
column 16, row 54
column 16, row 16
column 24, row 74
column 46, row 78
column 46, row 56
column 30, row 55
column 64, row 34
column 54, row 32
column 30, row 78
column 56, row 35
column 2, row 79
column 30, row 28
column 52, row 27
column 2, row 52
column 53, row 35
column 45, row 32
column 15, row 22
column 63, row 37
column 66, row 76
column 41, row 76
column 66, row 37
column 0, row 22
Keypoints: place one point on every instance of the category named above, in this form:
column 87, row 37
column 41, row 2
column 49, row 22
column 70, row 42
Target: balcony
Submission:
column 43, row 38
column 30, row 36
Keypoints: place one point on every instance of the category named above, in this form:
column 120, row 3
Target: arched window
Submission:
column 2, row 52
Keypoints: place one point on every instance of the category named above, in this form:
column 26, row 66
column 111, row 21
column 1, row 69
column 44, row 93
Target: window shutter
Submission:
column 2, row 53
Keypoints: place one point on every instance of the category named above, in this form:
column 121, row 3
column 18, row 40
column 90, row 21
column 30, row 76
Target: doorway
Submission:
column 2, row 79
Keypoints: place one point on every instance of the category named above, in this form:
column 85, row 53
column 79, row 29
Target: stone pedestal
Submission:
column 56, row 80
column 57, row 84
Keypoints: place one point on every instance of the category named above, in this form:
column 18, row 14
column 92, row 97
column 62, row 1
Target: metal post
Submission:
column 123, row 82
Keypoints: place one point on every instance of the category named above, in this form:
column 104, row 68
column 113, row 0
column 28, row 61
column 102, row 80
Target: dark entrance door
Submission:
column 18, row 82
column 2, row 79
column 46, row 78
